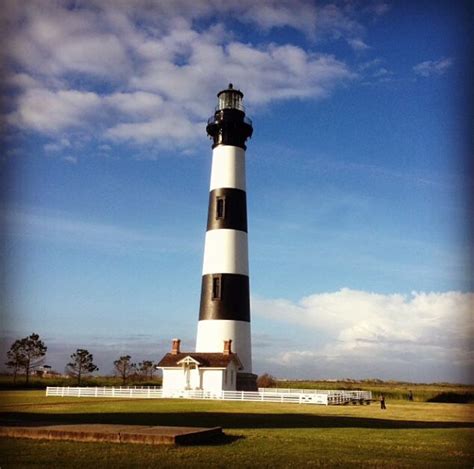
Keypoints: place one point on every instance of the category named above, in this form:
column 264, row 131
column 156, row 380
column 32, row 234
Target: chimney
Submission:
column 175, row 347
column 227, row 347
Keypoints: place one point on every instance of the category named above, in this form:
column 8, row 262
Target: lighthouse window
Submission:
column 220, row 208
column 216, row 287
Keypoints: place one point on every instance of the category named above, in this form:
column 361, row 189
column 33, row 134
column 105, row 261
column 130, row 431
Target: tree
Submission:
column 15, row 359
column 27, row 353
column 146, row 369
column 266, row 381
column 124, row 368
column 82, row 364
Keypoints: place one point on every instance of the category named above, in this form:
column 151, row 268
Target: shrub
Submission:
column 453, row 397
column 266, row 381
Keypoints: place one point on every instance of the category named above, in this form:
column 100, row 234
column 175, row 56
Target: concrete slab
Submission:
column 152, row 435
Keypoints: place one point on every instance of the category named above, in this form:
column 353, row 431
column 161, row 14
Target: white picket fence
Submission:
column 297, row 396
column 66, row 391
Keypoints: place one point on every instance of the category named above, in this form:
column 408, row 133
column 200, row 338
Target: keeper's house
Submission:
column 199, row 370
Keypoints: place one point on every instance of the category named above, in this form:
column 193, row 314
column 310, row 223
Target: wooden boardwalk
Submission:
column 142, row 434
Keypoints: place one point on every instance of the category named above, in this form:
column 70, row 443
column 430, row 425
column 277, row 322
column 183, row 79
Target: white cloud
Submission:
column 370, row 65
column 297, row 14
column 366, row 330
column 21, row 80
column 358, row 44
column 70, row 159
column 381, row 8
column 167, row 128
column 175, row 99
column 375, row 71
column 430, row 67
column 57, row 145
column 381, row 72
column 266, row 74
column 157, row 72
column 52, row 111
column 48, row 39
column 139, row 103
column 98, row 55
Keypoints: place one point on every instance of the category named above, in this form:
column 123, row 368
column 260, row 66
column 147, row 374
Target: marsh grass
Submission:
column 407, row 434
column 422, row 392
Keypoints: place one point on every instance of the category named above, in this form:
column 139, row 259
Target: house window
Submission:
column 225, row 377
column 220, row 208
column 216, row 287
column 231, row 377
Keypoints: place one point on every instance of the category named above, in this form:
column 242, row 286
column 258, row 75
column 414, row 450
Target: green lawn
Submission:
column 416, row 434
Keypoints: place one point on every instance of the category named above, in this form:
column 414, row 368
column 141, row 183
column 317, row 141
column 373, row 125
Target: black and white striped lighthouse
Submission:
column 225, row 297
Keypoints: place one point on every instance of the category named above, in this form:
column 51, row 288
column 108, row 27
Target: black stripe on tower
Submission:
column 227, row 209
column 225, row 296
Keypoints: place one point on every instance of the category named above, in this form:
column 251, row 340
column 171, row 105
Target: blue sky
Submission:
column 357, row 179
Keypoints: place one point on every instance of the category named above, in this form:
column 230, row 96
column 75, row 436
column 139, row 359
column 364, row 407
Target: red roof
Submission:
column 205, row 360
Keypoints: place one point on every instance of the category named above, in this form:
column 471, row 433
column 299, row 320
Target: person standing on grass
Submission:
column 410, row 395
column 382, row 402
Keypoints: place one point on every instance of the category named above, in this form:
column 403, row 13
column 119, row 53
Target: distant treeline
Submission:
column 36, row 382
column 27, row 355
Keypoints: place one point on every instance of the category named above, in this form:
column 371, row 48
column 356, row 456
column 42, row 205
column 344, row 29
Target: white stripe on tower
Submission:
column 225, row 298
column 231, row 242
column 228, row 167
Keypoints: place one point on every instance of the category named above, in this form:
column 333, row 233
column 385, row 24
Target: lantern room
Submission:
column 230, row 99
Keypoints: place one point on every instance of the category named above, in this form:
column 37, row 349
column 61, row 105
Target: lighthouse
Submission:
column 224, row 313
column 223, row 356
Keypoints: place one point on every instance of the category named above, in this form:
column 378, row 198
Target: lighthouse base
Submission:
column 246, row 382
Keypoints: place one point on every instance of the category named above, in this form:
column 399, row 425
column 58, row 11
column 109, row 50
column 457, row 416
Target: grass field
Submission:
column 407, row 434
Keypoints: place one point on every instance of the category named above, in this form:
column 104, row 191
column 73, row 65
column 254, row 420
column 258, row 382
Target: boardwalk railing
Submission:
column 297, row 396
column 335, row 397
